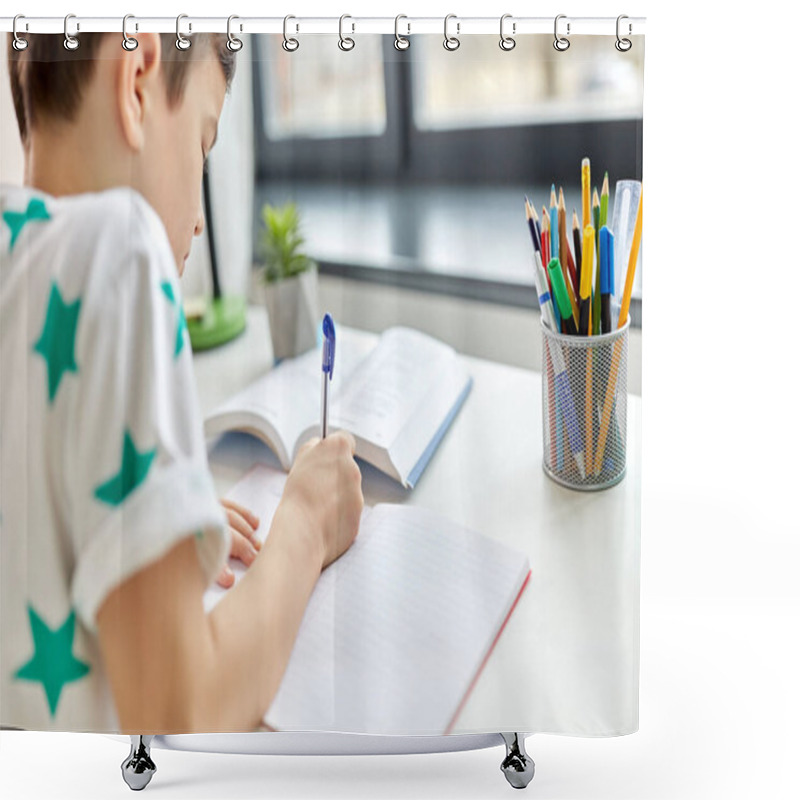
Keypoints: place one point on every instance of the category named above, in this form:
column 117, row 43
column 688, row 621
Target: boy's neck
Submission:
column 66, row 161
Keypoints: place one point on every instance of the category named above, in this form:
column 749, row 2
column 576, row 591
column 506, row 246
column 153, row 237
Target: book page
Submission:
column 289, row 396
column 390, row 384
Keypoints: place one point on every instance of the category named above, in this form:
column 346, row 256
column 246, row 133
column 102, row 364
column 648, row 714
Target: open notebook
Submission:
column 398, row 629
column 397, row 398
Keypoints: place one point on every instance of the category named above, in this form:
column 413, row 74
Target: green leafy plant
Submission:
column 280, row 243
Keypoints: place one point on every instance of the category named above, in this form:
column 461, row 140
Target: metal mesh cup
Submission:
column 585, row 403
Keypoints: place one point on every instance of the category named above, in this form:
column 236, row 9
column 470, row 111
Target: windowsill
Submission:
column 463, row 241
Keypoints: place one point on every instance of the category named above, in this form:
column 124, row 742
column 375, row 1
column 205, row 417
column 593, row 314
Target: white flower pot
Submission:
column 293, row 311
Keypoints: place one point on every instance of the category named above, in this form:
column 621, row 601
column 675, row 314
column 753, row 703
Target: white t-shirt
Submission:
column 103, row 466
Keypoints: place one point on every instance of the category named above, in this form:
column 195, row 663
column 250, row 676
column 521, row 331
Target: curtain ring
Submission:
column 623, row 45
column 233, row 44
column 400, row 42
column 290, row 44
column 451, row 43
column 507, row 42
column 19, row 44
column 129, row 43
column 181, row 42
column 70, row 42
column 559, row 42
column 345, row 42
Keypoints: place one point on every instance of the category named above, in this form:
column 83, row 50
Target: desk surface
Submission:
column 568, row 660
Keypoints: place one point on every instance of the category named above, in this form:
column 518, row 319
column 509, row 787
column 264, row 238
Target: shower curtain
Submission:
column 384, row 180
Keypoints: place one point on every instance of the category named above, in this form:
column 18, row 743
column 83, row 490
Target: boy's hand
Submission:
column 244, row 542
column 324, row 487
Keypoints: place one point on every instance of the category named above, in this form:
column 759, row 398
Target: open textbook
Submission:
column 397, row 397
column 398, row 628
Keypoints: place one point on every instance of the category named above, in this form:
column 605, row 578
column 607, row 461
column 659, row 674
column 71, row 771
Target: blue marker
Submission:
column 606, row 278
column 328, row 353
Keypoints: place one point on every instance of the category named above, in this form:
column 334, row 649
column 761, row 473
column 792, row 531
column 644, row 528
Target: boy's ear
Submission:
column 138, row 80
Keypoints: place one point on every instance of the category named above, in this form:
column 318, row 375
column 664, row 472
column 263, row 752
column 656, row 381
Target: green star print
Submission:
column 57, row 342
column 134, row 469
column 166, row 287
column 16, row 219
column 52, row 663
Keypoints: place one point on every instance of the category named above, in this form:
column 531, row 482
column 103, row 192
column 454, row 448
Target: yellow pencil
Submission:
column 586, row 174
column 611, row 388
column 586, row 300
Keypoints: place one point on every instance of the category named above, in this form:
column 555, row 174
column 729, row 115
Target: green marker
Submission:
column 562, row 298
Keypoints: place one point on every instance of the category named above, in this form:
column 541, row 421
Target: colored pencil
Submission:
column 586, row 177
column 611, row 386
column 596, row 301
column 537, row 246
column 536, row 225
column 545, row 237
column 567, row 261
column 554, row 238
column 576, row 240
column 604, row 202
column 586, row 282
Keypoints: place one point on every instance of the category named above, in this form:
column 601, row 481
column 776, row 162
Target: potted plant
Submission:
column 290, row 279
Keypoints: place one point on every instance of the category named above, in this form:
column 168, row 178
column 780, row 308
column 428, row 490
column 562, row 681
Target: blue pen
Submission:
column 328, row 353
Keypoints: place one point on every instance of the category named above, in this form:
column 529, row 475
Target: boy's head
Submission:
column 102, row 116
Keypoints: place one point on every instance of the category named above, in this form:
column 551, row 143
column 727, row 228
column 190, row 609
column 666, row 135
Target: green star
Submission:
column 57, row 342
column 52, row 663
column 16, row 220
column 134, row 469
column 166, row 287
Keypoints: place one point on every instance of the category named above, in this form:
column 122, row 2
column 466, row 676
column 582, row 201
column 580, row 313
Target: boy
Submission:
column 110, row 529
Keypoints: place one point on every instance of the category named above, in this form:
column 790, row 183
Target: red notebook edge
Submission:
column 488, row 654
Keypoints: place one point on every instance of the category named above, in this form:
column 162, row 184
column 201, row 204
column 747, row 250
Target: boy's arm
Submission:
column 175, row 669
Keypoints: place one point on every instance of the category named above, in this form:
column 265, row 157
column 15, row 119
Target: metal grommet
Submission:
column 623, row 45
column 451, row 43
column 345, row 42
column 181, row 42
column 400, row 42
column 559, row 42
column 233, row 44
column 290, row 44
column 70, row 42
column 507, row 42
column 19, row 44
column 129, row 43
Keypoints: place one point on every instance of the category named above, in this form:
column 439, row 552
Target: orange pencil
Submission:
column 611, row 388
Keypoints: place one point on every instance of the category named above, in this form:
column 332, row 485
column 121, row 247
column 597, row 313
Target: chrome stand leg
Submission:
column 517, row 766
column 138, row 767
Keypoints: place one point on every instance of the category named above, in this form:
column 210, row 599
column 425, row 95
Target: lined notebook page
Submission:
column 398, row 627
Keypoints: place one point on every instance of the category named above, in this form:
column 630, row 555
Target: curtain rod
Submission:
column 406, row 26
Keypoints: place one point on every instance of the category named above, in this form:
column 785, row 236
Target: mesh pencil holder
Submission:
column 585, row 403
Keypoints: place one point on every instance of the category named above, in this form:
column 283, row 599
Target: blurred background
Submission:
column 409, row 171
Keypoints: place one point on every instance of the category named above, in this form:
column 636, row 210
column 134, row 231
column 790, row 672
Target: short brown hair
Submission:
column 41, row 90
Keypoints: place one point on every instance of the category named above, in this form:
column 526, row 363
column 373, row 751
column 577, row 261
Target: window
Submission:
column 410, row 167
column 308, row 94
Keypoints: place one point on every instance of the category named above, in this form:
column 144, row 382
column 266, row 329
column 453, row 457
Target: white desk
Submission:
column 568, row 660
